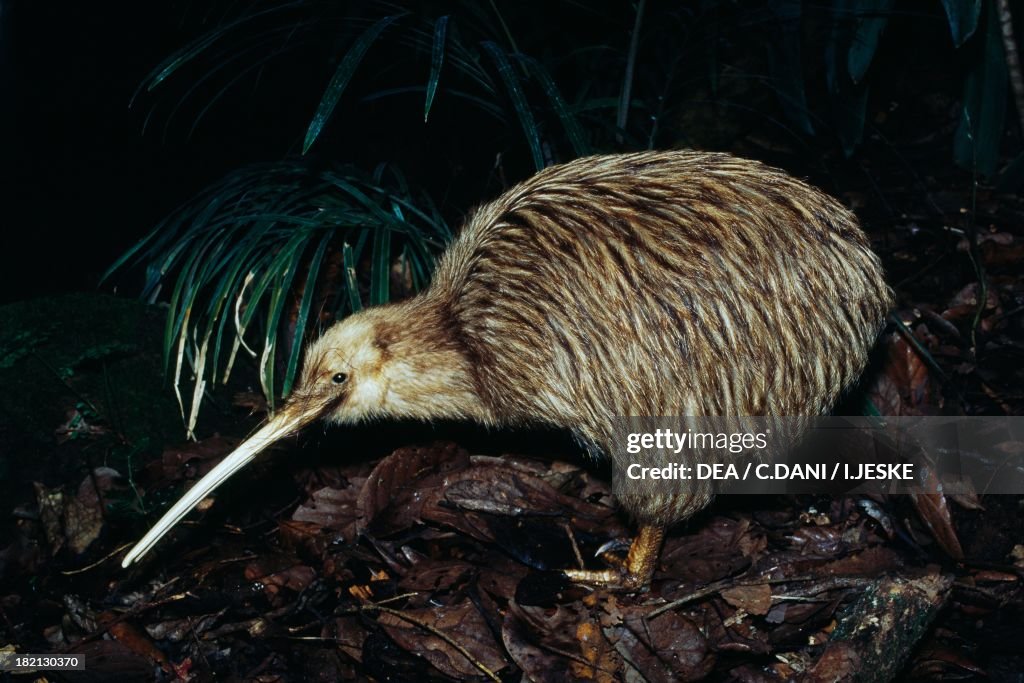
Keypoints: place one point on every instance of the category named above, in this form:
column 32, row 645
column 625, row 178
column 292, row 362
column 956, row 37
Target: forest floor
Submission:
column 406, row 553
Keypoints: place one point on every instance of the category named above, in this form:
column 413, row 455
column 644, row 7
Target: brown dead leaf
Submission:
column 334, row 510
column 721, row 548
column 176, row 630
column 964, row 304
column 968, row 296
column 756, row 599
column 777, row 672
column 542, row 642
column 870, row 562
column 937, row 662
column 510, row 492
column 348, row 634
column 461, row 623
column 500, row 576
column 437, row 575
column 51, row 513
column 934, row 511
column 529, row 519
column 599, row 658
column 728, row 629
column 819, row 541
column 997, row 248
column 135, row 640
column 110, row 660
column 661, row 650
column 76, row 521
column 295, row 579
column 393, row 495
column 306, row 535
column 904, row 386
column 840, row 662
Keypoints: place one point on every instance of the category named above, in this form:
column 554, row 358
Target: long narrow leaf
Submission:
column 380, row 267
column 191, row 51
column 461, row 58
column 126, row 257
column 278, row 299
column 231, row 284
column 341, row 77
column 567, row 117
column 436, row 62
column 303, row 313
column 522, row 107
column 983, row 116
column 872, row 17
column 487, row 107
column 963, row 18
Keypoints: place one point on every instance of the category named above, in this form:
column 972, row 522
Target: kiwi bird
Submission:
column 655, row 283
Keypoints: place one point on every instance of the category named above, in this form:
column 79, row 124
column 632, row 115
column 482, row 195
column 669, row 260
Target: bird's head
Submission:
column 394, row 361
column 398, row 361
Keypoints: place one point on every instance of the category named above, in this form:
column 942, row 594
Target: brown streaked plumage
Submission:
column 656, row 283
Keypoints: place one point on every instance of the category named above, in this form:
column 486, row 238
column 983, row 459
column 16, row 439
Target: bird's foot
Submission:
column 610, row 579
column 630, row 574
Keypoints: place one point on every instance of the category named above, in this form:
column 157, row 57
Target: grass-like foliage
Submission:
column 254, row 261
column 258, row 258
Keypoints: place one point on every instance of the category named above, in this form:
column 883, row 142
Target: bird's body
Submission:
column 660, row 283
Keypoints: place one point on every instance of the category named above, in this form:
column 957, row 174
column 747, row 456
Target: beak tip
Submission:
column 244, row 453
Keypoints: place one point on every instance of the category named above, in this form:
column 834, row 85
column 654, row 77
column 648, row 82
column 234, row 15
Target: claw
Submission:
column 616, row 545
column 630, row 575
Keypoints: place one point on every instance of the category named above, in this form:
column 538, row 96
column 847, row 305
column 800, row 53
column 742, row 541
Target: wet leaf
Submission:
column 136, row 641
column 667, row 648
column 934, row 512
column 76, row 520
column 341, row 78
column 395, row 491
column 463, row 624
column 756, row 599
column 543, row 643
column 720, row 549
column 334, row 510
column 904, row 387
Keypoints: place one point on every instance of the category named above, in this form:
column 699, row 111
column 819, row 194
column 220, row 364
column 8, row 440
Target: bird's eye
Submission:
column 339, row 378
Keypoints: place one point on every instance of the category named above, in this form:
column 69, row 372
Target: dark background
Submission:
column 82, row 179
column 85, row 174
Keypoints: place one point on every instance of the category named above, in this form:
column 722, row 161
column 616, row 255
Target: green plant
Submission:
column 244, row 261
column 250, row 252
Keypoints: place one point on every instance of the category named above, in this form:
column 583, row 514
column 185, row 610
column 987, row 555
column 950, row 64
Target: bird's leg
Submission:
column 638, row 569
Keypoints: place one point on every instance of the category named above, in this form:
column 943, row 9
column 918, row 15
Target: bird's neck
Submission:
column 425, row 372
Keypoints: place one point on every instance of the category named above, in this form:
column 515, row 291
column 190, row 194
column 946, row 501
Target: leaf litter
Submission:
column 438, row 564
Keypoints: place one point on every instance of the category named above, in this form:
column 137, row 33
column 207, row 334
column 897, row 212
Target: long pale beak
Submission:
column 284, row 423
